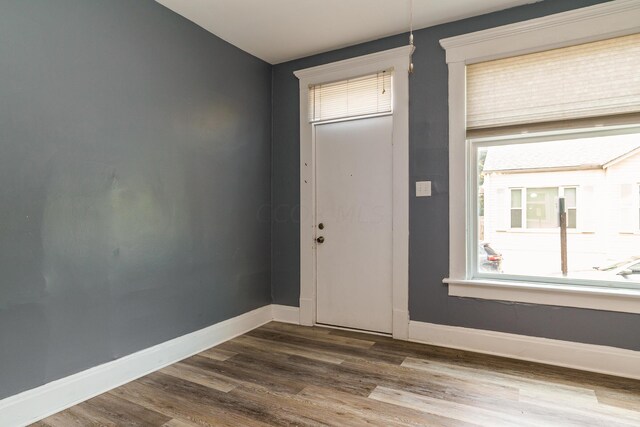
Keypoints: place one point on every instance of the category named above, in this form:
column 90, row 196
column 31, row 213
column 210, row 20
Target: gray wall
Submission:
column 429, row 226
column 134, row 183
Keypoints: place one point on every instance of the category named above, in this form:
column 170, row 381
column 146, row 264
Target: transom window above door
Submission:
column 358, row 96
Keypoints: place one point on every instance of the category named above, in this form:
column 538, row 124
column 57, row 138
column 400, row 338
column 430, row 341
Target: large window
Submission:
column 558, row 210
column 544, row 159
column 555, row 149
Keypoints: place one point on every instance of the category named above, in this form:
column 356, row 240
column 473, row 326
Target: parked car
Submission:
column 625, row 270
column 488, row 259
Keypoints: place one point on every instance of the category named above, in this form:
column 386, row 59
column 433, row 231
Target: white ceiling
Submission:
column 281, row 30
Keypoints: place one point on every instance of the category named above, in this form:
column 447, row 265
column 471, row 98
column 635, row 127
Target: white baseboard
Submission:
column 38, row 403
column 33, row 405
column 286, row 314
column 587, row 357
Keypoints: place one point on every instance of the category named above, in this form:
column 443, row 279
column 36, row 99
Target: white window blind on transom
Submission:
column 358, row 96
column 588, row 80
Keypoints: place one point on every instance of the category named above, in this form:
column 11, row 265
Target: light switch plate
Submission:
column 423, row 188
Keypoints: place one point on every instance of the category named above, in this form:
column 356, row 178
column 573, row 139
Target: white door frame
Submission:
column 398, row 60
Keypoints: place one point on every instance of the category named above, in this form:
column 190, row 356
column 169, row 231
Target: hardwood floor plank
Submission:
column 69, row 418
column 562, row 397
column 292, row 409
column 595, row 413
column 179, row 423
column 122, row 412
column 618, row 398
column 302, row 371
column 217, row 354
column 377, row 412
column 183, row 400
column 283, row 375
column 432, row 383
column 532, row 370
column 244, row 373
column 108, row 410
column 198, row 376
column 327, row 347
column 442, row 407
column 238, row 403
column 289, row 349
column 557, row 391
column 362, row 342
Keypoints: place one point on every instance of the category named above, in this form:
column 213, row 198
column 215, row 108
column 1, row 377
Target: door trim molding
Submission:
column 398, row 60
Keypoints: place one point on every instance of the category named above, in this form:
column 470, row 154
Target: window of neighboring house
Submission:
column 542, row 207
column 516, row 208
column 570, row 195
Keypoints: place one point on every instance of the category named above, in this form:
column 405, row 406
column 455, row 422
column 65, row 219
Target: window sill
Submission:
column 555, row 231
column 607, row 299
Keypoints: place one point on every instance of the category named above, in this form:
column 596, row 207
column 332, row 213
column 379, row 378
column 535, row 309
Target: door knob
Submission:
column 320, row 239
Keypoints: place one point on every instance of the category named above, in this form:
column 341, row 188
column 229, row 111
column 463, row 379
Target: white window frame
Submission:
column 561, row 191
column 638, row 207
column 523, row 208
column 599, row 22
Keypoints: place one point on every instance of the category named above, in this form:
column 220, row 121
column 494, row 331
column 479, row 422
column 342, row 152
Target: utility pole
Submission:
column 563, row 236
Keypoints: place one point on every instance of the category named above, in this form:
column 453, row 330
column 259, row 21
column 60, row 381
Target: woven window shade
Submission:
column 350, row 98
column 574, row 83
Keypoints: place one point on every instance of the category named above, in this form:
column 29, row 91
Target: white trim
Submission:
column 598, row 298
column 38, row 403
column 598, row 22
column 587, row 357
column 344, row 68
column 398, row 60
column 458, row 224
column 286, row 314
column 621, row 158
column 611, row 19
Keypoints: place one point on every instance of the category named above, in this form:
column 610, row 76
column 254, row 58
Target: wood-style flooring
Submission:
column 290, row 375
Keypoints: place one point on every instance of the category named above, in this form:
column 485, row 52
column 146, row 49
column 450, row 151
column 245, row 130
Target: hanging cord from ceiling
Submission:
column 411, row 36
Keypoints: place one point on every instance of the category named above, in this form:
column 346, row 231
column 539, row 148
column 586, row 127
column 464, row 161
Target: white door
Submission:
column 354, row 205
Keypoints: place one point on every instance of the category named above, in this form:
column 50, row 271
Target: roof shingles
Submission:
column 568, row 154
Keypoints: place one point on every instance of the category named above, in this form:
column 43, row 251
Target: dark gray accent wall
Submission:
column 134, row 183
column 429, row 217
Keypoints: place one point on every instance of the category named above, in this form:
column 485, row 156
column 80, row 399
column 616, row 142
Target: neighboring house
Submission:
column 599, row 179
